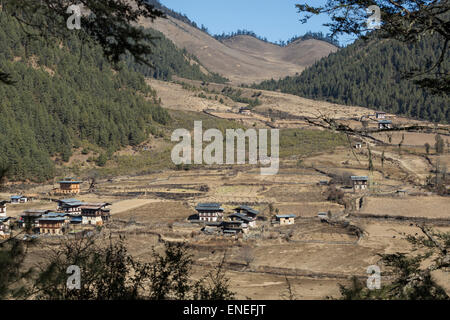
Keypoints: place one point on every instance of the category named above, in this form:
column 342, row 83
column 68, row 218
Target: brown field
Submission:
column 154, row 206
column 408, row 206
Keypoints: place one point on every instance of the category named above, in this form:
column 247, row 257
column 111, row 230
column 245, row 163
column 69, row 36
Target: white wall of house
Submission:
column 93, row 220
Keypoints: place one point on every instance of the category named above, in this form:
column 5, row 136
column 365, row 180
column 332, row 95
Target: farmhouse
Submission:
column 18, row 199
column 245, row 110
column 95, row 213
column 248, row 211
column 70, row 206
column 285, row 219
column 357, row 145
column 4, row 227
column 3, row 208
column 53, row 224
column 209, row 211
column 380, row 115
column 234, row 227
column 30, row 218
column 212, row 228
column 69, row 186
column 243, row 219
column 359, row 183
column 384, row 124
column 323, row 216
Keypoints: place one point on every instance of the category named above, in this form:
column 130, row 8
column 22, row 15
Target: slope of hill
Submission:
column 167, row 60
column 368, row 75
column 60, row 101
column 235, row 58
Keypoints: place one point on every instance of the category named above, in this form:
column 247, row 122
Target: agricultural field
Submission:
column 153, row 201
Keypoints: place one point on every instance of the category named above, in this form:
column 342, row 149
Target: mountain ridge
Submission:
column 236, row 63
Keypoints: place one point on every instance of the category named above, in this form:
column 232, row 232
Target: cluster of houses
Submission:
column 241, row 220
column 71, row 215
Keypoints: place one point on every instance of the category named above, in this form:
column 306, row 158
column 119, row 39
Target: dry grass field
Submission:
column 154, row 204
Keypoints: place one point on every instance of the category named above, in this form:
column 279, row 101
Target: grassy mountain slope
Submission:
column 233, row 62
column 167, row 60
column 369, row 76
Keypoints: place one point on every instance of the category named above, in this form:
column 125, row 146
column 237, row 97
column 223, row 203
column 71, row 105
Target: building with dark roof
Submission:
column 53, row 224
column 95, row 213
column 70, row 205
column 380, row 115
column 209, row 211
column 3, row 208
column 69, row 186
column 246, row 210
column 384, row 124
column 285, row 219
column 5, row 227
column 250, row 221
column 360, row 183
column 18, row 199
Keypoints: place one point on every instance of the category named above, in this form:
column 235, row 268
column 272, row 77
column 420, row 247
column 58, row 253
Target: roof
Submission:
column 359, row 178
column 94, row 206
column 242, row 217
column 17, row 197
column 34, row 213
column 214, row 223
column 209, row 207
column 248, row 209
column 69, row 182
column 55, row 214
column 51, row 219
column 385, row 121
column 2, row 202
column 233, row 222
column 71, row 200
column 229, row 231
column 3, row 219
column 76, row 219
column 286, row 216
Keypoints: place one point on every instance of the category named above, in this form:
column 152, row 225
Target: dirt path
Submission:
column 130, row 204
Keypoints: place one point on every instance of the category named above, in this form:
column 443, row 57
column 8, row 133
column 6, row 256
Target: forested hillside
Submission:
column 64, row 97
column 368, row 75
column 168, row 60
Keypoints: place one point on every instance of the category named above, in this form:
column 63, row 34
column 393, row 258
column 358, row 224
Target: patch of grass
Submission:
column 299, row 142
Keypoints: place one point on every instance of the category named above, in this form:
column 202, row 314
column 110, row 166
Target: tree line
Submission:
column 369, row 74
column 66, row 94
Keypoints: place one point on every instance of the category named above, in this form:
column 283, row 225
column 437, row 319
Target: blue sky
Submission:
column 274, row 19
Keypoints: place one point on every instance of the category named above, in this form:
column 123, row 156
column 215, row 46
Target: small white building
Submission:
column 323, row 216
column 5, row 227
column 18, row 199
column 3, row 208
column 285, row 219
column 209, row 212
column 384, row 124
column 380, row 115
column 95, row 213
column 251, row 222
column 245, row 110
column 360, row 183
